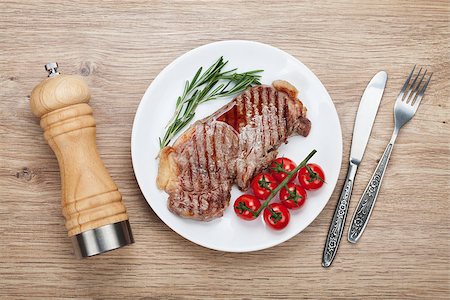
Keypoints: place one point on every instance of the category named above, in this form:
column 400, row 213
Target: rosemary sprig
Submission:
column 206, row 86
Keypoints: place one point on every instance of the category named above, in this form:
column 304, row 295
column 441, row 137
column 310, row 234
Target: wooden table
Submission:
column 121, row 46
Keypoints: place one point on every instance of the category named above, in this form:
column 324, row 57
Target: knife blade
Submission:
column 365, row 117
column 368, row 107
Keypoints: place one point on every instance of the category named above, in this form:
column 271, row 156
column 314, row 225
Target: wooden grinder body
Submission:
column 90, row 198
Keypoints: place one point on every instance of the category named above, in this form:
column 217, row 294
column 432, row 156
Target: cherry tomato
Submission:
column 293, row 197
column 280, row 167
column 262, row 185
column 276, row 216
column 311, row 177
column 245, row 205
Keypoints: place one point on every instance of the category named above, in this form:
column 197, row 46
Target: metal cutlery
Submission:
column 408, row 100
column 365, row 118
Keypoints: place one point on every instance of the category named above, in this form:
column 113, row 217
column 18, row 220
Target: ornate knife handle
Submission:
column 368, row 198
column 338, row 221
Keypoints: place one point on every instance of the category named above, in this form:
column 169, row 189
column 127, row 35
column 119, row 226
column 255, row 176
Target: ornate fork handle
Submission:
column 368, row 198
column 338, row 221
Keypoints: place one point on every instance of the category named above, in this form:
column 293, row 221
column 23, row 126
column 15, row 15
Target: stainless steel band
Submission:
column 102, row 239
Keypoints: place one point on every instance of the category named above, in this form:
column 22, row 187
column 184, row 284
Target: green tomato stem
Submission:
column 284, row 182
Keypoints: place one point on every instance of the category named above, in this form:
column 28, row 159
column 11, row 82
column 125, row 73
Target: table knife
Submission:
column 365, row 117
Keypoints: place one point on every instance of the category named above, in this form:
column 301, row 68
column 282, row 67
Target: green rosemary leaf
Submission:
column 206, row 86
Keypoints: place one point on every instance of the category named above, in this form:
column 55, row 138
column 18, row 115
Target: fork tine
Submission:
column 412, row 87
column 416, row 89
column 400, row 95
column 422, row 91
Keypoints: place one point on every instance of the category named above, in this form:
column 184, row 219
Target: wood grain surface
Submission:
column 120, row 46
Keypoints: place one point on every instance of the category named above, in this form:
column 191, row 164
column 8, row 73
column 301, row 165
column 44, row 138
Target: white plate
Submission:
column 230, row 233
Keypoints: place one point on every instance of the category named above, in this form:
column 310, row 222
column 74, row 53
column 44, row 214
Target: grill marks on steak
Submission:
column 265, row 118
column 205, row 171
column 264, row 130
column 232, row 145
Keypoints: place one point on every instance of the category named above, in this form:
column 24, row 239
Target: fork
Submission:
column 404, row 109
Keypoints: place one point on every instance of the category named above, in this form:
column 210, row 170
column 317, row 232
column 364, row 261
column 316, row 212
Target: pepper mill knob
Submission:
column 96, row 218
column 52, row 69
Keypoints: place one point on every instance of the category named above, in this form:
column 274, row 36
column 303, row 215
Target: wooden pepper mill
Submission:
column 96, row 218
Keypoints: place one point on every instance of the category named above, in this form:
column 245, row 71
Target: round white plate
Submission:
column 230, row 233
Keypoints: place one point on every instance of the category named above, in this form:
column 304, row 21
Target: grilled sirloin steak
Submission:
column 232, row 145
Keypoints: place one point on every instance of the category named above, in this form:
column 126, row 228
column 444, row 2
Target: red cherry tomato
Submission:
column 276, row 216
column 245, row 205
column 293, row 197
column 311, row 177
column 280, row 167
column 262, row 185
